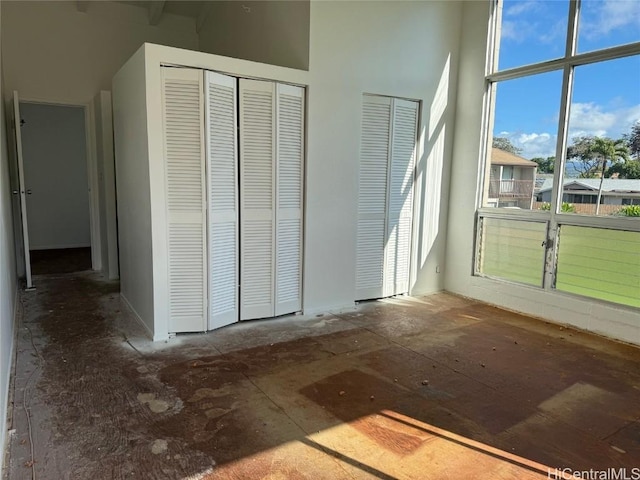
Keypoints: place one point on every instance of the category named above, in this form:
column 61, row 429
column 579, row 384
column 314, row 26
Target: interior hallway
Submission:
column 430, row 387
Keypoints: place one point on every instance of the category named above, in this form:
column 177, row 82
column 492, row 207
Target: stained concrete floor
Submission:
column 430, row 387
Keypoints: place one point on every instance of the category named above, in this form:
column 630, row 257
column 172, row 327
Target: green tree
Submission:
column 607, row 150
column 503, row 143
column 628, row 169
column 545, row 165
column 581, row 152
column 633, row 140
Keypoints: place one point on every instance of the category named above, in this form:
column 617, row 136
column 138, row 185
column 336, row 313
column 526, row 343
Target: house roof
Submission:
column 613, row 185
column 500, row 157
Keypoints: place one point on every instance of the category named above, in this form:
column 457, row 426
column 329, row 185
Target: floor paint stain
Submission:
column 159, row 446
column 156, row 406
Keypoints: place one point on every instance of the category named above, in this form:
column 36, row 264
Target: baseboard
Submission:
column 137, row 316
column 7, row 414
column 335, row 309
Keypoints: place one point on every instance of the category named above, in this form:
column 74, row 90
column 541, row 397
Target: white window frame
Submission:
column 566, row 64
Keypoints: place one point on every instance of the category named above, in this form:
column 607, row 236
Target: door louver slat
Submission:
column 385, row 196
column 289, row 165
column 372, row 191
column 257, row 125
column 222, row 173
column 184, row 163
column 400, row 203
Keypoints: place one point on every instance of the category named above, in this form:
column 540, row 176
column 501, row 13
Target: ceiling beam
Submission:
column 82, row 6
column 205, row 11
column 155, row 12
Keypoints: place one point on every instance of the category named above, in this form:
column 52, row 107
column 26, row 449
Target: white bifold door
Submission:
column 185, row 190
column 221, row 131
column 234, row 193
column 385, row 196
column 271, row 196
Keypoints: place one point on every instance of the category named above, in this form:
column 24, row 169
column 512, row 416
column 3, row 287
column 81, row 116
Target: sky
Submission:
column 606, row 96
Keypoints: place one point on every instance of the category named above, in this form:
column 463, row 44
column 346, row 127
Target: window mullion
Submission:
column 572, row 28
column 561, row 148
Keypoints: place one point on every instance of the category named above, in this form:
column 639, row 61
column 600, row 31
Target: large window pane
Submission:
column 512, row 250
column 524, row 140
column 600, row 263
column 608, row 23
column 604, row 126
column 532, row 31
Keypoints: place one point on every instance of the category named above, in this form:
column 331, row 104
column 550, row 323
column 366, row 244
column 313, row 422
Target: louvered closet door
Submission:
column 400, row 196
column 289, row 175
column 185, row 198
column 372, row 196
column 257, row 199
column 222, row 176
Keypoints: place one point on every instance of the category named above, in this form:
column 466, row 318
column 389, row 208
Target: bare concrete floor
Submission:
column 431, row 387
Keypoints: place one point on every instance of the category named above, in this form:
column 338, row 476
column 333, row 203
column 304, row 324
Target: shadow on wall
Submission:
column 429, row 152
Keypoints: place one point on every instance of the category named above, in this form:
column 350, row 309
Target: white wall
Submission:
column 274, row 32
column 53, row 52
column 132, row 178
column 399, row 49
column 617, row 322
column 106, row 183
column 7, row 274
column 55, row 165
column 403, row 49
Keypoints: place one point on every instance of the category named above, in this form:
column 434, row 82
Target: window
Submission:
column 563, row 144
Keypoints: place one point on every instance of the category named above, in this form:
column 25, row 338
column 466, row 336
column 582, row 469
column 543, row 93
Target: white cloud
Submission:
column 533, row 144
column 521, row 7
column 600, row 18
column 557, row 31
column 586, row 119
column 531, row 20
column 591, row 119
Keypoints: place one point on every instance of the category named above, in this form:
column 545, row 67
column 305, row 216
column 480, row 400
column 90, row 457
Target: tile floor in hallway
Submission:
column 431, row 387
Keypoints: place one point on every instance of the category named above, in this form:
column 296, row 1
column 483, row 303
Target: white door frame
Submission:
column 92, row 176
column 17, row 124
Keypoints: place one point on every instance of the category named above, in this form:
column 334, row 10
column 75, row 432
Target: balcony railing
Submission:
column 510, row 188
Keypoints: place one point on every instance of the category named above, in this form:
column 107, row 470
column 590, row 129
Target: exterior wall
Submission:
column 600, row 317
column 132, row 178
column 524, row 173
column 8, row 284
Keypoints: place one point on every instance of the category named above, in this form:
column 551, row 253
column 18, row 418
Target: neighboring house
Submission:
column 512, row 180
column 615, row 191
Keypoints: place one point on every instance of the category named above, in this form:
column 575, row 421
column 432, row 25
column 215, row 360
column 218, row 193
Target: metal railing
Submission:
column 511, row 188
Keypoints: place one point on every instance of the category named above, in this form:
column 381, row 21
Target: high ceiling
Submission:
column 198, row 10
column 186, row 8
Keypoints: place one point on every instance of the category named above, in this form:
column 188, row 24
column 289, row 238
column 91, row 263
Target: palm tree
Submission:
column 606, row 150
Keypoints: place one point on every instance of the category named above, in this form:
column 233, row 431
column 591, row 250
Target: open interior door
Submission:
column 23, row 193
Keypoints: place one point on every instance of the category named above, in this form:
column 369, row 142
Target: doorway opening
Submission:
column 56, row 187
